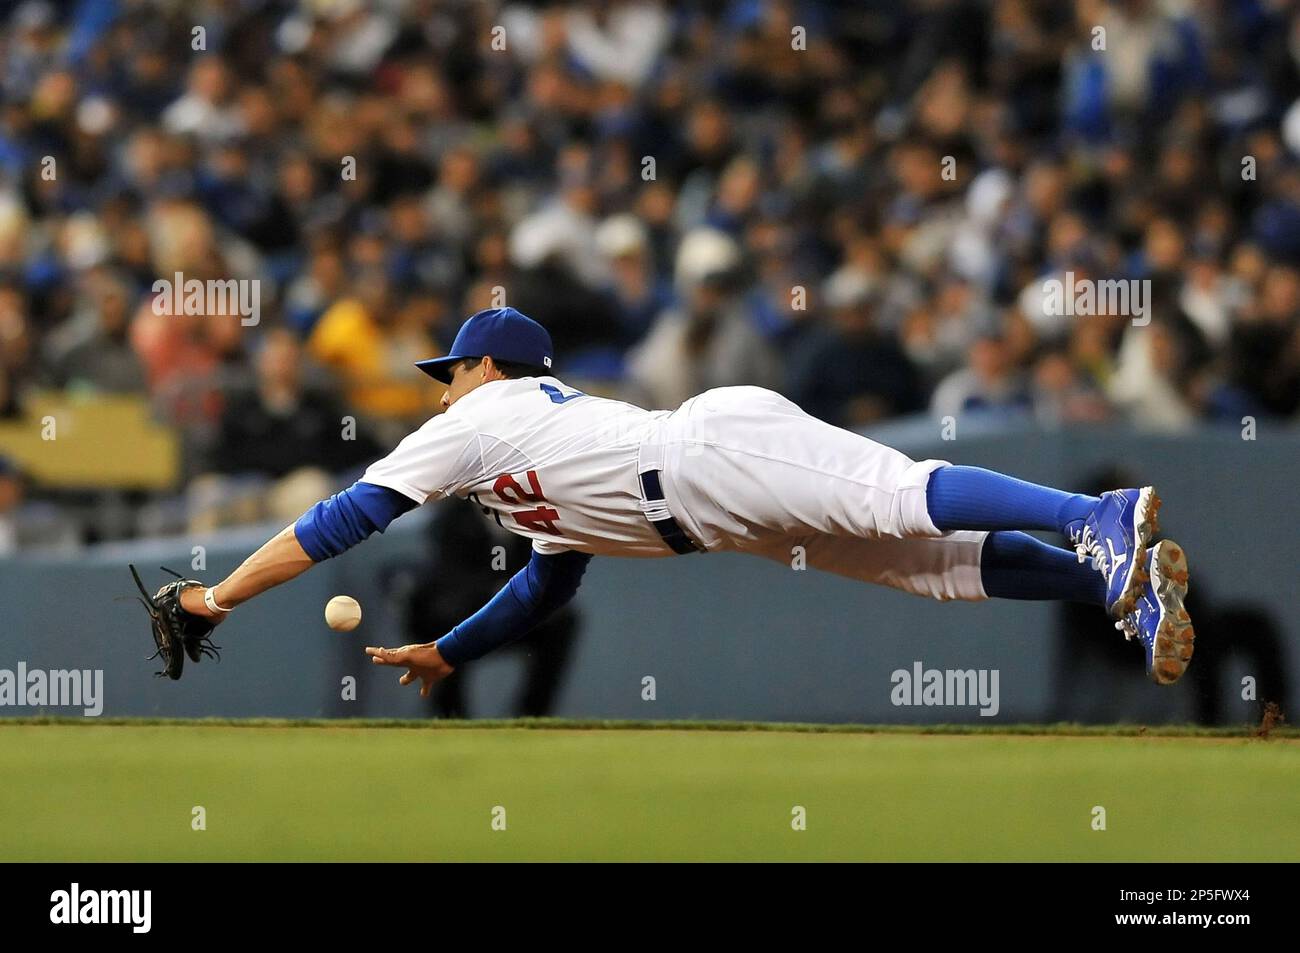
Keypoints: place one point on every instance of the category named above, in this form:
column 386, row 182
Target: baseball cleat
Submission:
column 1115, row 536
column 1159, row 618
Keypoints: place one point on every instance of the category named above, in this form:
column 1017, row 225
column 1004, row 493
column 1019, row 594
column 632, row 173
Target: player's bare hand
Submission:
column 420, row 661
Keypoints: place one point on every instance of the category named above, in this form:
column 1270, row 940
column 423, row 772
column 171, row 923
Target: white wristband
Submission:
column 210, row 600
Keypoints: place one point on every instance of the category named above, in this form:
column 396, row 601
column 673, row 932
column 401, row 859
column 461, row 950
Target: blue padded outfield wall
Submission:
column 723, row 637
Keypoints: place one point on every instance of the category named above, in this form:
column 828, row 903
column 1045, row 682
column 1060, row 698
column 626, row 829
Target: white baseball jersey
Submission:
column 550, row 462
column 743, row 469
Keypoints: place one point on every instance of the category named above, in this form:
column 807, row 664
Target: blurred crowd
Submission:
column 855, row 203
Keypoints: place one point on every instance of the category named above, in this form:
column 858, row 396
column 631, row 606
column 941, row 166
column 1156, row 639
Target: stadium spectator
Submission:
column 707, row 343
column 372, row 339
column 849, row 373
column 640, row 294
column 207, row 109
column 1263, row 357
column 990, row 385
column 181, row 359
column 1153, row 372
column 310, row 294
column 1062, row 394
column 281, row 424
column 91, row 351
column 619, row 42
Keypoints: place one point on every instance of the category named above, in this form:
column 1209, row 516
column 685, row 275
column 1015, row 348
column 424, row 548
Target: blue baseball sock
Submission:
column 972, row 498
column 1016, row 566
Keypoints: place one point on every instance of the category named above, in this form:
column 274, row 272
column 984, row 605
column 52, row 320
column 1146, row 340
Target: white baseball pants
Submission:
column 746, row 470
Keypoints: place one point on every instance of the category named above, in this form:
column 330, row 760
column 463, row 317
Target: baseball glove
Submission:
column 177, row 633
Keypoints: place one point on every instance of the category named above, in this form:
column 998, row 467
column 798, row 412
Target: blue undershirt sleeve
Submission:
column 335, row 525
column 546, row 584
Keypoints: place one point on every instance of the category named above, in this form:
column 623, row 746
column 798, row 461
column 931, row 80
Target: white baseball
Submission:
column 343, row 613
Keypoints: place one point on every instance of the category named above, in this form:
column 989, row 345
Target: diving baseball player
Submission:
column 734, row 469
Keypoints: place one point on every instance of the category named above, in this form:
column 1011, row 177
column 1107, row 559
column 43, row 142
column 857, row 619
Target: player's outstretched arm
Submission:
column 329, row 528
column 531, row 596
column 280, row 559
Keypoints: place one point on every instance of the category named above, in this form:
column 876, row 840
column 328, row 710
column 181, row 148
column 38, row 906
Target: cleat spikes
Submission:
column 1159, row 618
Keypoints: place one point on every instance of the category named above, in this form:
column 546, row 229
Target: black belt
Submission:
column 653, row 492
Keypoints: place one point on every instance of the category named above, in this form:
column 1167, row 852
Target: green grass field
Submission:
column 395, row 791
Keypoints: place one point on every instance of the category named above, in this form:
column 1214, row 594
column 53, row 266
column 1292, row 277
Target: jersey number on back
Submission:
column 543, row 518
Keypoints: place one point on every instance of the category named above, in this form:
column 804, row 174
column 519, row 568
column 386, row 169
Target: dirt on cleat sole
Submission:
column 1175, row 637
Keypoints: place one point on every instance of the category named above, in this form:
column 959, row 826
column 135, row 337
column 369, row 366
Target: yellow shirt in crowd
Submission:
column 377, row 364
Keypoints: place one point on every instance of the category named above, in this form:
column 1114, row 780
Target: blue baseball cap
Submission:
column 502, row 334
